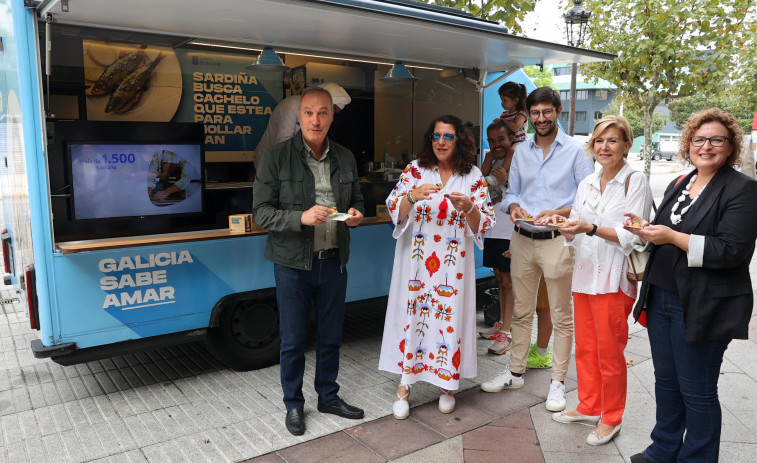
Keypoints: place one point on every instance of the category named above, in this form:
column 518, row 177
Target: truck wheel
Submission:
column 657, row 157
column 247, row 335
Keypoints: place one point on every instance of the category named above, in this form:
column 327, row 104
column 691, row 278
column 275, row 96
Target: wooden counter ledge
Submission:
column 72, row 247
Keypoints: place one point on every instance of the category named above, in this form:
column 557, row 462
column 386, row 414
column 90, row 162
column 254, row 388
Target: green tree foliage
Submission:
column 669, row 48
column 635, row 117
column 506, row 12
column 539, row 77
column 731, row 101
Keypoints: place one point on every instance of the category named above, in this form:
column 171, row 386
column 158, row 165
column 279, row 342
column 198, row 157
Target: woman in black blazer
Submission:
column 697, row 294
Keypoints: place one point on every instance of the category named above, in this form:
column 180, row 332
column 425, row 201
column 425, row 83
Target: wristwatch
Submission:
column 593, row 230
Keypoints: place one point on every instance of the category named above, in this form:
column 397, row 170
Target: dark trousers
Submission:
column 686, row 385
column 325, row 286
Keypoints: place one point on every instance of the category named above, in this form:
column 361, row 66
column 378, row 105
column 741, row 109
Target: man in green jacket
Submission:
column 298, row 184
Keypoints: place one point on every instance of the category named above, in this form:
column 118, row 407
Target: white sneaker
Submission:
column 556, row 398
column 504, row 380
column 491, row 333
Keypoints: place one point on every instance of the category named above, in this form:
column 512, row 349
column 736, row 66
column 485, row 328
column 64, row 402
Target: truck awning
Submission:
column 384, row 31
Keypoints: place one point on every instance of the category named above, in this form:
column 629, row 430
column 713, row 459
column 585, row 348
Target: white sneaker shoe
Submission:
column 446, row 401
column 504, row 380
column 556, row 398
column 491, row 333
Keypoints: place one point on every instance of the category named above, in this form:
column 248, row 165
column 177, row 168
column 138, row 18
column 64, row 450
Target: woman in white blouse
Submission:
column 602, row 294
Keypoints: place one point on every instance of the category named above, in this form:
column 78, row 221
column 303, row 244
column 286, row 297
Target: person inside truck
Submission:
column 293, row 199
column 441, row 210
column 284, row 122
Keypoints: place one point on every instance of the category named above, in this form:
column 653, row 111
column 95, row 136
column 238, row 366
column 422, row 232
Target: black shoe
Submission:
column 343, row 409
column 295, row 421
column 641, row 458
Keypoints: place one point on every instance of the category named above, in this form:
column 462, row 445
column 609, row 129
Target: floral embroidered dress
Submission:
column 430, row 327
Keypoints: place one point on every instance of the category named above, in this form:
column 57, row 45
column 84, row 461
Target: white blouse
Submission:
column 600, row 265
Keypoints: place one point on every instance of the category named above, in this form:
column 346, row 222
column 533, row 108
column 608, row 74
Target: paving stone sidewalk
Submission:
column 180, row 404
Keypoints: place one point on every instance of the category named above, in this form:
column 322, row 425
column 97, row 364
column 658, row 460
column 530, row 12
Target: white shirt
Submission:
column 282, row 125
column 601, row 266
column 539, row 183
column 503, row 226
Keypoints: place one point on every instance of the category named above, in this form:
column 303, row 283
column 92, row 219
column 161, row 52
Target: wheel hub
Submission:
column 254, row 323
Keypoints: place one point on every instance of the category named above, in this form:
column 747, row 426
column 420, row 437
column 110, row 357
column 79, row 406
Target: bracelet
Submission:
column 593, row 230
column 471, row 209
column 409, row 197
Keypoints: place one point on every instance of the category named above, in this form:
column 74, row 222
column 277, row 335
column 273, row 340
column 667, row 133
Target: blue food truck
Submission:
column 129, row 129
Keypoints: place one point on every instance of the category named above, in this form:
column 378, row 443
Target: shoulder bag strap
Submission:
column 654, row 206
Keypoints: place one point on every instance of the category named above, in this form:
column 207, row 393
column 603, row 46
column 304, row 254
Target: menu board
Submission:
column 232, row 102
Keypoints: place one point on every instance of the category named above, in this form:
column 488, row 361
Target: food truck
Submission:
column 129, row 130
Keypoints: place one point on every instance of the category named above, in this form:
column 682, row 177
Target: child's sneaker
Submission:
column 491, row 333
column 502, row 343
column 536, row 360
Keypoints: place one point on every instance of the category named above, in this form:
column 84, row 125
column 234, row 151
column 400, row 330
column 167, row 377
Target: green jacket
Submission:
column 285, row 187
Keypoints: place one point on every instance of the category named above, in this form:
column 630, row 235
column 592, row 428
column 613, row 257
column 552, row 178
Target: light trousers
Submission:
column 601, row 322
column 531, row 259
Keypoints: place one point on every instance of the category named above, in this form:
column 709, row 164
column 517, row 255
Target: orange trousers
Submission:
column 601, row 331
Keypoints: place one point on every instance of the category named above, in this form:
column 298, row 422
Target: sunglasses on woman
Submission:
column 448, row 137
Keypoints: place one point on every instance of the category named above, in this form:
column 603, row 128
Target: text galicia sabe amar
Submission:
column 134, row 297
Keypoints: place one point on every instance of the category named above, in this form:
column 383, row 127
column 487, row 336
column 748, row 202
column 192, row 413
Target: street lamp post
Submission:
column 576, row 20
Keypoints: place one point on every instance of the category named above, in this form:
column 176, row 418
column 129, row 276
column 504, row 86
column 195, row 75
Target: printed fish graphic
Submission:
column 118, row 71
column 130, row 90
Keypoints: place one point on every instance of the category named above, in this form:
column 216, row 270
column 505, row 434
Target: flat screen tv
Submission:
column 110, row 180
column 113, row 179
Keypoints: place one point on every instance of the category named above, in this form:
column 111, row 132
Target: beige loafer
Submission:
column 596, row 439
column 589, row 420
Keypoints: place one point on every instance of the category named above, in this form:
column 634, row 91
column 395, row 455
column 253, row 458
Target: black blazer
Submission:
column 717, row 298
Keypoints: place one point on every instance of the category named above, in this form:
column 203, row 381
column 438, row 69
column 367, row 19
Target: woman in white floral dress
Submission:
column 440, row 208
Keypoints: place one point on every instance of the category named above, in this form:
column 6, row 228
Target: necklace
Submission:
column 677, row 218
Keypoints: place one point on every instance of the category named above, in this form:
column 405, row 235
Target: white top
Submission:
column 601, row 266
column 503, row 226
column 282, row 125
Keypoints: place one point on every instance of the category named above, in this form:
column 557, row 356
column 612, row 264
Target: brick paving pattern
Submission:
column 179, row 404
